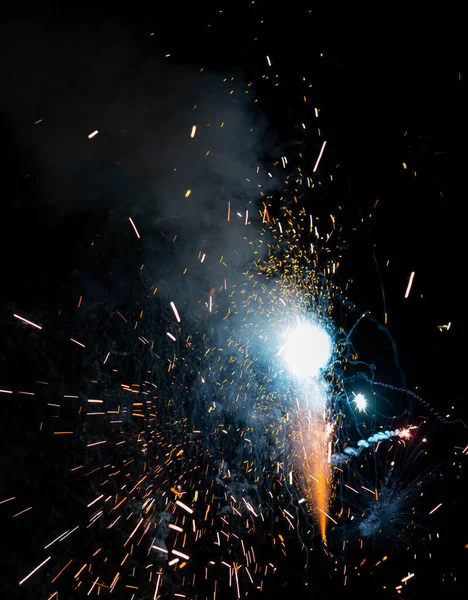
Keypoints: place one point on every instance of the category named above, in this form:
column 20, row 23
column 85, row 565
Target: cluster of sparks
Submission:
column 188, row 488
column 197, row 460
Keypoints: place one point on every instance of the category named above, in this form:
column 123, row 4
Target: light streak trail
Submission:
column 134, row 227
column 410, row 283
column 184, row 506
column 27, row 322
column 34, row 570
column 181, row 554
column 176, row 313
column 319, row 156
column 436, row 508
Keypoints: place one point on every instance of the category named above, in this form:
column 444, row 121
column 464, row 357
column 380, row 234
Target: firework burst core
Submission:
column 307, row 350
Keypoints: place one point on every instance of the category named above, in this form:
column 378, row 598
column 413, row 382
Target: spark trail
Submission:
column 307, row 352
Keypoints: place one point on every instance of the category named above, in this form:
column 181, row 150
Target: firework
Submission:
column 198, row 410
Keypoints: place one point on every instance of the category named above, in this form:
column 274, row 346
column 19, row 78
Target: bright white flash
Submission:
column 360, row 401
column 307, row 350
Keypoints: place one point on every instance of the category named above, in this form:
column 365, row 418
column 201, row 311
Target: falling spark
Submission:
column 94, row 501
column 157, row 586
column 93, row 134
column 320, row 156
column 21, row 512
column 184, row 506
column 27, row 322
column 327, row 515
column 174, row 308
column 134, row 227
column 181, row 554
column 34, row 570
column 410, row 283
column 7, row 500
column 194, row 131
column 436, row 508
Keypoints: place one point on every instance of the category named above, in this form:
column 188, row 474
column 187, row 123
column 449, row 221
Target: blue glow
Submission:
column 360, row 401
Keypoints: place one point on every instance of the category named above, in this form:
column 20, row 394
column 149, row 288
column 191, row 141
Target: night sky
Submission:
column 386, row 91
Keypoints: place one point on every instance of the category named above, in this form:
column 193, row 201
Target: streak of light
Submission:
column 21, row 512
column 98, row 498
column 410, row 283
column 7, row 500
column 174, row 308
column 181, row 554
column 327, row 515
column 134, row 531
column 320, row 156
column 436, row 508
column 34, row 570
column 184, row 506
column 56, row 539
column 27, row 322
column 62, row 570
column 134, row 227
column 157, row 586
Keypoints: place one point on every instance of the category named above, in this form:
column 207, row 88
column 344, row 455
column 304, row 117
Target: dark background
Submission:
column 391, row 87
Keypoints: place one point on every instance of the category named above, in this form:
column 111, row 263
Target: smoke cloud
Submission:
column 179, row 150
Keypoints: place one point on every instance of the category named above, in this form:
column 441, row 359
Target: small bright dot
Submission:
column 361, row 402
column 307, row 350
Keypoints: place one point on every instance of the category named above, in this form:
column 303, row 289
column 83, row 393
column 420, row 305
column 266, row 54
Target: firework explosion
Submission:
column 201, row 409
